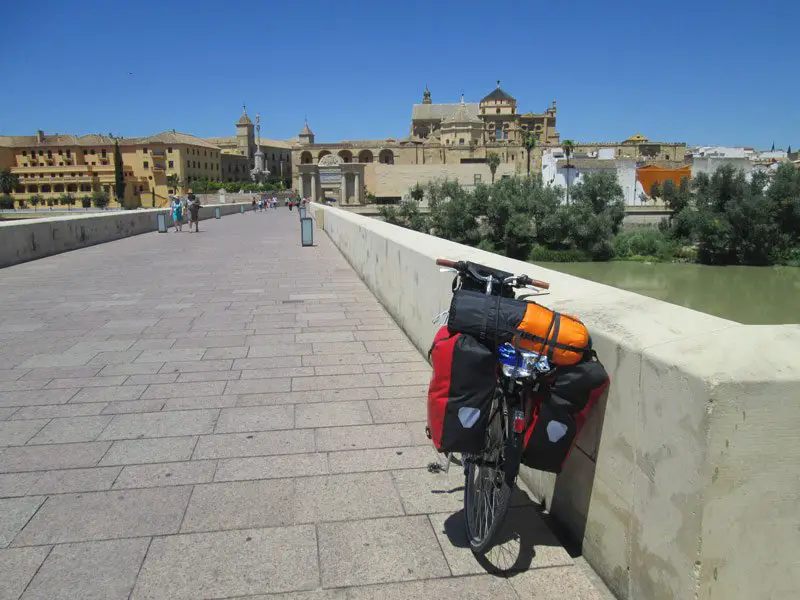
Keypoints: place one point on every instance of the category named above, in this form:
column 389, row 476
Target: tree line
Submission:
column 720, row 219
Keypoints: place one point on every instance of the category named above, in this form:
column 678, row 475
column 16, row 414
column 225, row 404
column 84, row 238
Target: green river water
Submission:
column 751, row 295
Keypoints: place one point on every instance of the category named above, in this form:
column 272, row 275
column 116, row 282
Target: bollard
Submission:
column 302, row 211
column 241, row 209
column 306, row 232
column 161, row 219
column 216, row 213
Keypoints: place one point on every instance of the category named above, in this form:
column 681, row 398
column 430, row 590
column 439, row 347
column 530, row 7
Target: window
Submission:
column 60, row 152
column 498, row 133
column 169, row 150
column 69, row 153
column 85, row 151
column 91, row 151
column 41, row 153
column 205, row 152
column 145, row 164
column 24, row 153
column 103, row 152
column 205, row 165
column 497, row 110
column 188, row 164
column 61, row 164
column 144, row 150
column 460, row 141
column 49, row 154
column 171, row 165
column 477, row 179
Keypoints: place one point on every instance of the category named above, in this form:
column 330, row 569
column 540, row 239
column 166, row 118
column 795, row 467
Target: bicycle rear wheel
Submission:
column 486, row 491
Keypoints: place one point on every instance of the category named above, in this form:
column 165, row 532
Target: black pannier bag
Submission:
column 560, row 412
column 460, row 392
column 495, row 320
column 473, row 285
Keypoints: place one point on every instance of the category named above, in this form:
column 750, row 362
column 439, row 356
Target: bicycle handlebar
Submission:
column 520, row 280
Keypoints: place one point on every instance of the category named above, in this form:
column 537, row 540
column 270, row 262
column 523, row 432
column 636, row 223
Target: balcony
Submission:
column 158, row 166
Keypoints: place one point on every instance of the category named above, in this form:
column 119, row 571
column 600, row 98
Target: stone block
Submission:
column 55, row 411
column 106, row 570
column 17, row 433
column 229, row 445
column 17, row 568
column 229, row 563
column 162, row 424
column 75, row 480
column 132, row 452
column 464, row 588
column 258, row 386
column 164, row 474
column 398, row 410
column 345, row 497
column 112, row 394
column 17, row 484
column 379, row 551
column 51, row 456
column 271, row 467
column 71, row 429
column 361, row 436
column 423, row 492
column 183, row 390
column 132, row 406
column 333, row 382
column 332, row 414
column 106, row 515
column 255, row 418
column 36, row 397
column 14, row 514
column 240, row 504
column 381, row 459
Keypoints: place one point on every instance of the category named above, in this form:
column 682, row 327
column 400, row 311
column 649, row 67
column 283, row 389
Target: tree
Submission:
column 119, row 175
column 596, row 214
column 35, row 200
column 417, row 192
column 655, row 190
column 6, row 202
column 8, row 181
column 66, row 200
column 568, row 147
column 100, row 199
column 493, row 160
column 529, row 143
column 174, row 182
column 86, row 202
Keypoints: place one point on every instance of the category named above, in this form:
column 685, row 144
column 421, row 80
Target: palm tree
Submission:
column 529, row 143
column 568, row 146
column 174, row 181
column 493, row 160
column 8, row 181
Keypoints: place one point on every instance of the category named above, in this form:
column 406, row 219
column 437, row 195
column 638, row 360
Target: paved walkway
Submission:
column 227, row 414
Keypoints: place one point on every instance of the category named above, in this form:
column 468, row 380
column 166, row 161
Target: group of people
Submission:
column 183, row 207
column 264, row 203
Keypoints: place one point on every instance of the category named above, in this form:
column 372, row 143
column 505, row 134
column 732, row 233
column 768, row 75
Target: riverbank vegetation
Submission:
column 721, row 219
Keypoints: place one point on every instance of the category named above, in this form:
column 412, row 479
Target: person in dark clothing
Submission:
column 194, row 212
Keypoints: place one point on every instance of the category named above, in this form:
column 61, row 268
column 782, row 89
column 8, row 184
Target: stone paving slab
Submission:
column 244, row 420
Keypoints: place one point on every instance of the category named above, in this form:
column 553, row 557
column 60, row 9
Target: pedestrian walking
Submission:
column 177, row 213
column 254, row 205
column 194, row 213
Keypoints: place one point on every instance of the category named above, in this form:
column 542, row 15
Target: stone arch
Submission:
column 33, row 189
column 386, row 157
column 346, row 156
column 306, row 158
column 72, row 187
column 365, row 156
column 46, row 189
column 322, row 153
column 58, row 188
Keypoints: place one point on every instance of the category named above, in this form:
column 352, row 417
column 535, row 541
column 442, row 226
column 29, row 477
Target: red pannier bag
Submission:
column 560, row 412
column 460, row 393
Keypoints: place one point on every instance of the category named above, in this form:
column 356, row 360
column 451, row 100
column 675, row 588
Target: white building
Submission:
column 556, row 171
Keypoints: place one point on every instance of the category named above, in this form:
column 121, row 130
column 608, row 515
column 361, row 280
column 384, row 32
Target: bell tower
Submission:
column 245, row 138
column 306, row 135
column 426, row 95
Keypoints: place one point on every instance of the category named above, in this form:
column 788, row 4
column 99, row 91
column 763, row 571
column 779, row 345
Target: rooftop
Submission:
column 498, row 95
column 439, row 112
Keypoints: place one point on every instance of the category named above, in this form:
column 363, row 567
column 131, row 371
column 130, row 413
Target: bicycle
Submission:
column 490, row 475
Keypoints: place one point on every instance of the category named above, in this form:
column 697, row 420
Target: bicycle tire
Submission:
column 482, row 526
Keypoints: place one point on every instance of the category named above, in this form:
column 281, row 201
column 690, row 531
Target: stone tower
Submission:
column 426, row 95
column 245, row 139
column 306, row 135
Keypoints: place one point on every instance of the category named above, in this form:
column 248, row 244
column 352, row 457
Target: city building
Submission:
column 239, row 154
column 559, row 171
column 446, row 141
column 50, row 165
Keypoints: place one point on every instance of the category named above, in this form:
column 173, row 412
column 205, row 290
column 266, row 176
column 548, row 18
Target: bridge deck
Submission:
column 228, row 414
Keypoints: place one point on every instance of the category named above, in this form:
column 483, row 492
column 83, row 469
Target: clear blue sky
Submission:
column 710, row 72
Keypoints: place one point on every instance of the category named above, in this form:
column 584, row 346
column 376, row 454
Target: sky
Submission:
column 714, row 72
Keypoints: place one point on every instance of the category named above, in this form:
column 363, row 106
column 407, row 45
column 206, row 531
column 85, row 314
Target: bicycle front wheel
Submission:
column 486, row 491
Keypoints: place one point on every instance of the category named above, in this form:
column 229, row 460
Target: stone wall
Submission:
column 24, row 240
column 395, row 180
column 685, row 482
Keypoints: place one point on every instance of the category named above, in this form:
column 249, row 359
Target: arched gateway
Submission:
column 333, row 177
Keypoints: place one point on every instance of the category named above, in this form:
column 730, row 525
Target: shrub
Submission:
column 646, row 242
column 543, row 254
column 86, row 202
column 6, row 203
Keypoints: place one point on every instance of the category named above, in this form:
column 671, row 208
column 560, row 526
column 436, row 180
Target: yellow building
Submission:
column 153, row 167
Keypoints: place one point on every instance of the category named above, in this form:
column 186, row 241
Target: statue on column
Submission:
column 259, row 174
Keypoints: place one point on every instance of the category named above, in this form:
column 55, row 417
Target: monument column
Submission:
column 357, row 187
column 313, row 187
column 343, row 195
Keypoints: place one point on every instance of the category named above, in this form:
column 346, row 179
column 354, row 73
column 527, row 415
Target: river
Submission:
column 751, row 295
